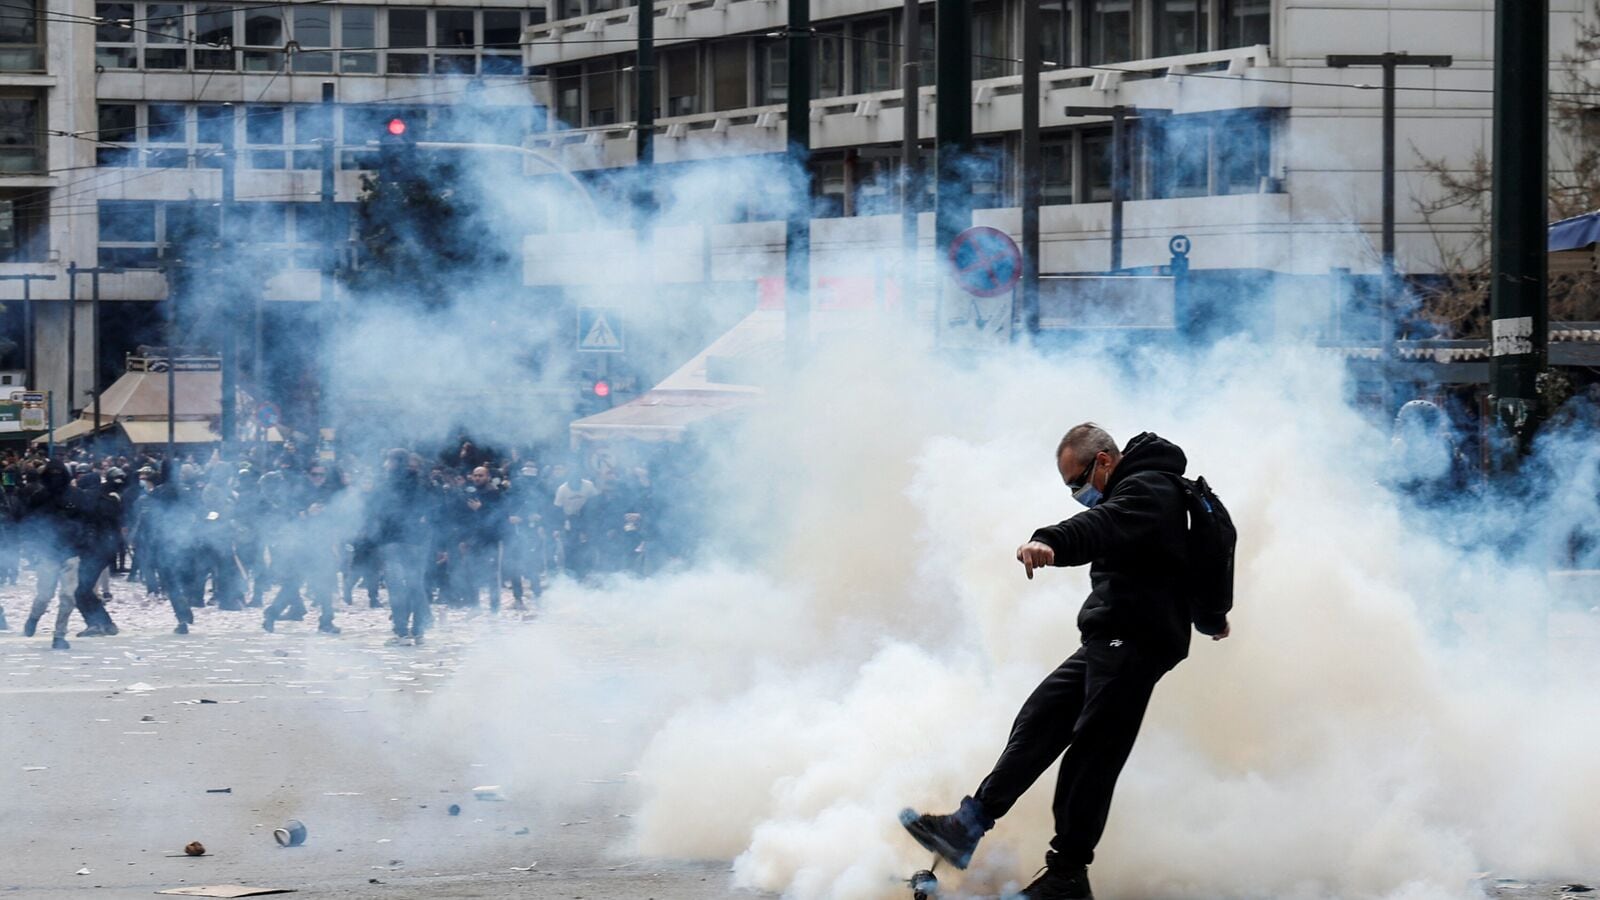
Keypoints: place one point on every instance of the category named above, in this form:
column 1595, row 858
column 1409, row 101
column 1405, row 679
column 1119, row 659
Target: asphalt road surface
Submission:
column 113, row 757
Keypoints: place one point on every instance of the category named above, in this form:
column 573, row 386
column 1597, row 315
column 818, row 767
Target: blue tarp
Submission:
column 1575, row 233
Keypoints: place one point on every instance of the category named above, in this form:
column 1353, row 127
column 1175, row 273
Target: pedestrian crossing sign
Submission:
column 599, row 329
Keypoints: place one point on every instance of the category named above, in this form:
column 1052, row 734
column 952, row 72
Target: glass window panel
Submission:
column 930, row 51
column 109, row 29
column 214, row 25
column 191, row 222
column 455, row 64
column 502, row 64
column 317, row 61
column 568, row 9
column 20, row 138
column 407, row 63
column 502, row 28
column 602, row 94
column 408, row 28
column 263, row 125
column 265, row 159
column 455, row 28
column 566, row 83
column 1110, row 31
column 1245, row 156
column 1055, row 32
column 876, row 55
column 730, row 75
column 264, row 28
column 364, row 62
column 265, row 222
column 164, row 59
column 312, row 122
column 1182, row 163
column 827, row 198
column 305, row 159
column 828, row 66
column 1180, row 27
column 166, row 123
column 19, row 22
column 681, row 68
column 313, row 26
column 167, row 159
column 117, row 121
column 163, row 23
column 357, row 27
column 772, row 72
column 212, row 123
column 116, row 57
column 989, row 46
column 1097, row 164
column 1246, row 23
column 127, row 220
column 1055, row 171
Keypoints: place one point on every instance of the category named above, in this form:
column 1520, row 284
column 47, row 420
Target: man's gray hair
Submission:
column 1086, row 441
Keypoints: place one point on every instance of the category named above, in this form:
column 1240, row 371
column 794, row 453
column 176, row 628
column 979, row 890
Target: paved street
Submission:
column 110, row 752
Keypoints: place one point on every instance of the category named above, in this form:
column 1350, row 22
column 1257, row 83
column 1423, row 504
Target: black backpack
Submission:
column 1211, row 542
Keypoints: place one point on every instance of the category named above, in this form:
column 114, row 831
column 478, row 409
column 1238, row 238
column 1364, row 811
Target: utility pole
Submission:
column 1031, row 187
column 910, row 135
column 27, row 279
column 1518, row 304
column 328, row 306
column 229, row 302
column 72, row 339
column 644, row 89
column 1389, row 62
column 952, row 120
column 797, row 232
column 1121, row 176
column 94, row 340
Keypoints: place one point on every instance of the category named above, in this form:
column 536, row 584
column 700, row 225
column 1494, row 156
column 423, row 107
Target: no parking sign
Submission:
column 985, row 261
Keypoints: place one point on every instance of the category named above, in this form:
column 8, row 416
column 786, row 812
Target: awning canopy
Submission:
column 154, row 431
column 72, row 431
column 1572, row 242
column 656, row 416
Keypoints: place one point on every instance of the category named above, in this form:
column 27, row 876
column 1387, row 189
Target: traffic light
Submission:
column 397, row 150
column 602, row 388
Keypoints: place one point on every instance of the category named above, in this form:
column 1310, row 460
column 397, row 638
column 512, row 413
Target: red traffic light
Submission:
column 602, row 388
column 397, row 126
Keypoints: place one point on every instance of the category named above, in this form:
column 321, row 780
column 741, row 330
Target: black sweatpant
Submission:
column 1091, row 707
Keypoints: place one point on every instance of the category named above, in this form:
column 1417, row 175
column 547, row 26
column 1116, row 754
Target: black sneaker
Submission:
column 59, row 643
column 93, row 631
column 948, row 836
column 267, row 623
column 30, row 627
column 329, row 628
column 111, row 629
column 183, row 628
column 1059, row 883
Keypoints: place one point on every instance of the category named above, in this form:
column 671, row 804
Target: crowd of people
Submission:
column 280, row 530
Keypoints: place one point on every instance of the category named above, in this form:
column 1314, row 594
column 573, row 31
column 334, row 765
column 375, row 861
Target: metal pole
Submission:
column 228, row 301
column 644, row 81
column 94, row 350
column 797, row 231
column 1387, row 294
column 72, row 337
column 1031, row 186
column 50, row 423
column 1119, row 181
column 27, row 329
column 326, row 319
column 1518, row 306
column 952, row 120
column 172, row 386
column 910, row 134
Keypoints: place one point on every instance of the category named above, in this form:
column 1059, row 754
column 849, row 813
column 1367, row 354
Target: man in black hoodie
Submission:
column 1134, row 627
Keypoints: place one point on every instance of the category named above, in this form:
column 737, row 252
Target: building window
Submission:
column 358, row 29
column 214, row 130
column 264, row 127
column 876, row 55
column 21, row 29
column 772, row 71
column 827, row 65
column 164, row 45
column 22, row 143
column 1246, row 23
column 601, row 86
column 408, row 31
column 264, row 40
column 1180, row 27
column 730, row 75
column 24, row 226
column 118, row 123
column 213, row 26
column 828, row 188
column 1055, row 170
column 988, row 173
column 1097, row 165
column 128, row 234
column 313, row 128
column 680, row 85
column 566, row 83
column 990, row 51
column 311, row 29
column 456, row 38
column 166, row 136
column 1055, row 32
column 502, row 42
column 1180, row 156
column 1110, row 24
column 114, row 42
column 1244, row 151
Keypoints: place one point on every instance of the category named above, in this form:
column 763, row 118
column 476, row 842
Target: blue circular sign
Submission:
column 267, row 415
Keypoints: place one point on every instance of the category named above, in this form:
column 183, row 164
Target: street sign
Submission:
column 267, row 415
column 33, row 397
column 599, row 329
column 985, row 261
column 33, row 418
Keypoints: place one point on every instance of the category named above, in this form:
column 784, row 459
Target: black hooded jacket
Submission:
column 1134, row 541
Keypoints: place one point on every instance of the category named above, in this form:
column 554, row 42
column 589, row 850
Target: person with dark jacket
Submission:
column 99, row 516
column 1135, row 628
column 397, row 515
column 51, row 524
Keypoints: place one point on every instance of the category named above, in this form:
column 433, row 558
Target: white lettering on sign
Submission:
column 1513, row 337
